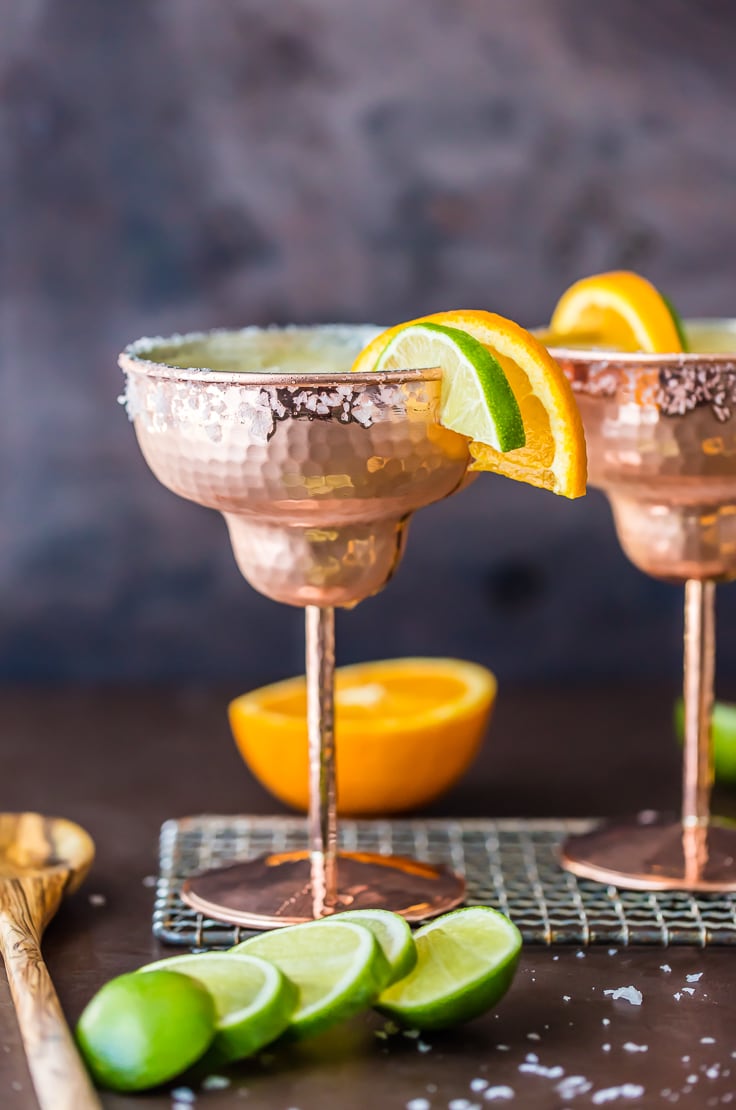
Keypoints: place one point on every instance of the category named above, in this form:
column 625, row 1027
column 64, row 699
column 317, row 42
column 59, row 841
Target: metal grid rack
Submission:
column 510, row 864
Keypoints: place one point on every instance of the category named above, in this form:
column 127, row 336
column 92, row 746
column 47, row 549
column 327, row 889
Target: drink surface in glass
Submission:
column 316, row 472
column 661, row 438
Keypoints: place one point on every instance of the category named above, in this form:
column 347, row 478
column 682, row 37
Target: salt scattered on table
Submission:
column 627, row 994
column 611, row 1094
column 502, row 1048
column 629, row 1046
column 566, row 998
column 459, row 1104
column 555, row 1072
column 613, row 951
column 692, row 1079
column 215, row 1083
column 605, row 1021
column 677, row 996
column 688, row 990
column 606, row 1047
column 532, row 1058
column 97, row 900
column 573, row 1086
column 499, row 1093
column 418, row 1104
column 666, row 968
column 478, row 1084
column 707, row 1040
column 422, row 1047
column 694, row 977
column 580, row 955
column 184, row 1096
column 533, row 1037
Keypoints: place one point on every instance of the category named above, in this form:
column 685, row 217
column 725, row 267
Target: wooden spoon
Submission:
column 41, row 859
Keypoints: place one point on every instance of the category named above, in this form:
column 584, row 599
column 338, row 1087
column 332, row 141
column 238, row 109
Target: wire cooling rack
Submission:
column 508, row 864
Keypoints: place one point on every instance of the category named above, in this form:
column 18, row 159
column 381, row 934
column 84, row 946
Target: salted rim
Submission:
column 647, row 360
column 131, row 359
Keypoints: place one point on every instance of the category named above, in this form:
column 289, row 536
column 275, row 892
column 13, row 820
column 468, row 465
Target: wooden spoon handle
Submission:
column 59, row 1076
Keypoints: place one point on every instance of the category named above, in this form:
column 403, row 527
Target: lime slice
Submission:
column 253, row 1000
column 142, row 1030
column 338, row 966
column 724, row 738
column 677, row 321
column 392, row 933
column 466, row 962
column 477, row 400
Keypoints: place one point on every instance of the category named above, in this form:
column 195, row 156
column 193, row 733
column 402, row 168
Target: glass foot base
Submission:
column 275, row 890
column 655, row 854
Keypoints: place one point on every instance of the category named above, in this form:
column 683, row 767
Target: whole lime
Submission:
column 141, row 1030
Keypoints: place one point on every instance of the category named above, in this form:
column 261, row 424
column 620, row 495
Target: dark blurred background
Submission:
column 175, row 164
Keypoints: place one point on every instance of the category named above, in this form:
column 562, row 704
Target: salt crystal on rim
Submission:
column 628, row 994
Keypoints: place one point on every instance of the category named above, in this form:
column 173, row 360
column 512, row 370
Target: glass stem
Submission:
column 698, row 696
column 320, row 632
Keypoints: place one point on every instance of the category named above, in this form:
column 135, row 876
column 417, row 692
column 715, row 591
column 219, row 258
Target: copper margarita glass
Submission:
column 661, row 439
column 316, row 472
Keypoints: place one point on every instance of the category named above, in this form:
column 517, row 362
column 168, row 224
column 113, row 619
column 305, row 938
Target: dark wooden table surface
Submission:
column 121, row 761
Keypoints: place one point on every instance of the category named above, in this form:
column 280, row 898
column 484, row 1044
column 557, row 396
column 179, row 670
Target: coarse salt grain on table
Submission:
column 611, row 1094
column 500, row 1093
column 627, row 994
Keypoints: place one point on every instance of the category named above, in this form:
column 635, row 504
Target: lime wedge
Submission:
column 477, row 400
column 253, row 1000
column 724, row 738
column 392, row 933
column 677, row 321
column 338, row 967
column 466, row 962
column 142, row 1030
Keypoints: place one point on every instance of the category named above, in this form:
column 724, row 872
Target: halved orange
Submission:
column 620, row 310
column 405, row 730
column 554, row 456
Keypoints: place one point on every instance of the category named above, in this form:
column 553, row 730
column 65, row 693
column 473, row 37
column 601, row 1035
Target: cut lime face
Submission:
column 338, row 968
column 477, row 400
column 142, row 1030
column 466, row 962
column 392, row 933
column 253, row 1000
